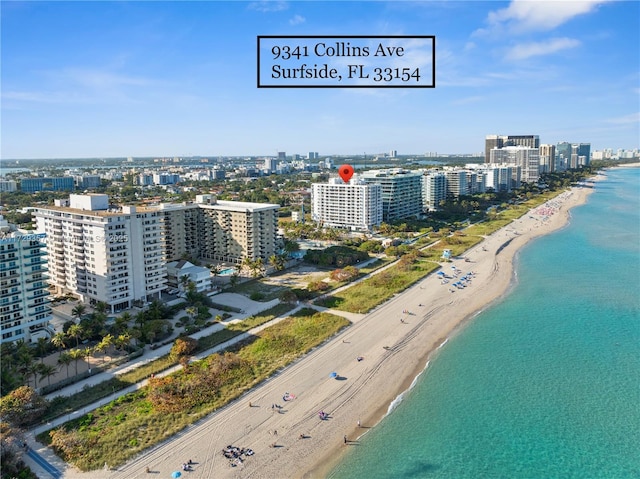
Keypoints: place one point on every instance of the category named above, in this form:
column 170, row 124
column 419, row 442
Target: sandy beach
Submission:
column 395, row 346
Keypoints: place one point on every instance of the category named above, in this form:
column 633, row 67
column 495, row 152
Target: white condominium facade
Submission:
column 434, row 189
column 355, row 206
column 98, row 253
column 528, row 159
column 24, row 294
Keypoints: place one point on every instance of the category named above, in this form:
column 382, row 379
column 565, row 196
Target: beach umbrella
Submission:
column 176, row 474
column 333, row 375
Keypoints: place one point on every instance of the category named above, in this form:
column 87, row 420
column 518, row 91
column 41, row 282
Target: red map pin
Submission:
column 345, row 172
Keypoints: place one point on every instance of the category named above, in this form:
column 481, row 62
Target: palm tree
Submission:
column 46, row 371
column 33, row 370
column 247, row 263
column 78, row 311
column 76, row 355
column 76, row 331
column 65, row 360
column 104, row 345
column 59, row 340
column 122, row 341
column 42, row 347
column 86, row 353
column 101, row 307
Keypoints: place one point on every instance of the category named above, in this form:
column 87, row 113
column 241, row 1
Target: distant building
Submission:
column 33, row 185
column 355, row 205
column 457, row 183
column 401, row 192
column 434, row 189
column 572, row 155
column 547, row 158
column 500, row 141
column 165, row 179
column 8, row 186
column 527, row 158
column 24, row 294
column 88, row 181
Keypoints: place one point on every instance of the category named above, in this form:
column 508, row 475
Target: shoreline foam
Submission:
column 371, row 385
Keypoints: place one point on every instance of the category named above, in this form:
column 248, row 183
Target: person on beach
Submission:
column 345, row 438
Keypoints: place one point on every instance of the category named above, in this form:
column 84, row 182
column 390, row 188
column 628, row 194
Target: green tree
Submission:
column 22, row 406
column 65, row 359
column 78, row 311
column 76, row 331
column 46, row 371
column 59, row 340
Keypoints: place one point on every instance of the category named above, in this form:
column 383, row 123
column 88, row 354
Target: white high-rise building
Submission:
column 528, row 159
column 102, row 254
column 355, row 205
column 24, row 294
column 434, row 189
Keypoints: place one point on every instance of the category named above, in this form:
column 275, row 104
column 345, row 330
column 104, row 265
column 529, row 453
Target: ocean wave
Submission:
column 398, row 399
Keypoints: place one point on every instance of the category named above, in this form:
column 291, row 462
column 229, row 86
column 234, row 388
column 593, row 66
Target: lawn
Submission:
column 375, row 290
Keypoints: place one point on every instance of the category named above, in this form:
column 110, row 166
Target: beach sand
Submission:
column 393, row 353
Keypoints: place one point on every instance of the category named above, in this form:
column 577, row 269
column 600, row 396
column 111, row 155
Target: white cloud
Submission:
column 297, row 20
column 536, row 49
column 268, row 6
column 626, row 119
column 540, row 15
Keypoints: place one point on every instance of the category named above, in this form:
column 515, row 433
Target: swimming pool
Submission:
column 227, row 271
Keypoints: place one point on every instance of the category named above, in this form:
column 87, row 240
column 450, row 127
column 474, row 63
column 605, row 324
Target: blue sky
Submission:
column 106, row 79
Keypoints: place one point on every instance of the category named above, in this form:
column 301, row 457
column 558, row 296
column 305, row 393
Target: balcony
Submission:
column 43, row 303
column 41, row 294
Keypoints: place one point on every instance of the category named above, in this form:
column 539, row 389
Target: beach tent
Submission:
column 176, row 474
column 333, row 375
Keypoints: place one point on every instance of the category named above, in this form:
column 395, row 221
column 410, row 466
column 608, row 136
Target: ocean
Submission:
column 544, row 383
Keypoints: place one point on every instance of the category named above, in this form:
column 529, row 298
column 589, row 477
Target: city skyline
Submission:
column 143, row 79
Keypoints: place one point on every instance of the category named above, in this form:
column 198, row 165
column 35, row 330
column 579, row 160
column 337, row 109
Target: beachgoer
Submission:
column 358, row 422
column 345, row 439
column 147, row 470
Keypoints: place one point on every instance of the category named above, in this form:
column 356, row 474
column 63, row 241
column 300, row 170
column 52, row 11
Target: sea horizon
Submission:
column 540, row 382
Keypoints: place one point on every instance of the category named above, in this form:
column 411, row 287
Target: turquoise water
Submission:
column 227, row 271
column 546, row 383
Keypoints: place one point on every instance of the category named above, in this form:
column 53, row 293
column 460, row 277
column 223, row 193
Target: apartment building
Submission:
column 24, row 294
column 434, row 189
column 181, row 227
column 355, row 205
column 401, row 192
column 230, row 231
column 33, row 185
column 99, row 253
column 528, row 159
column 502, row 141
